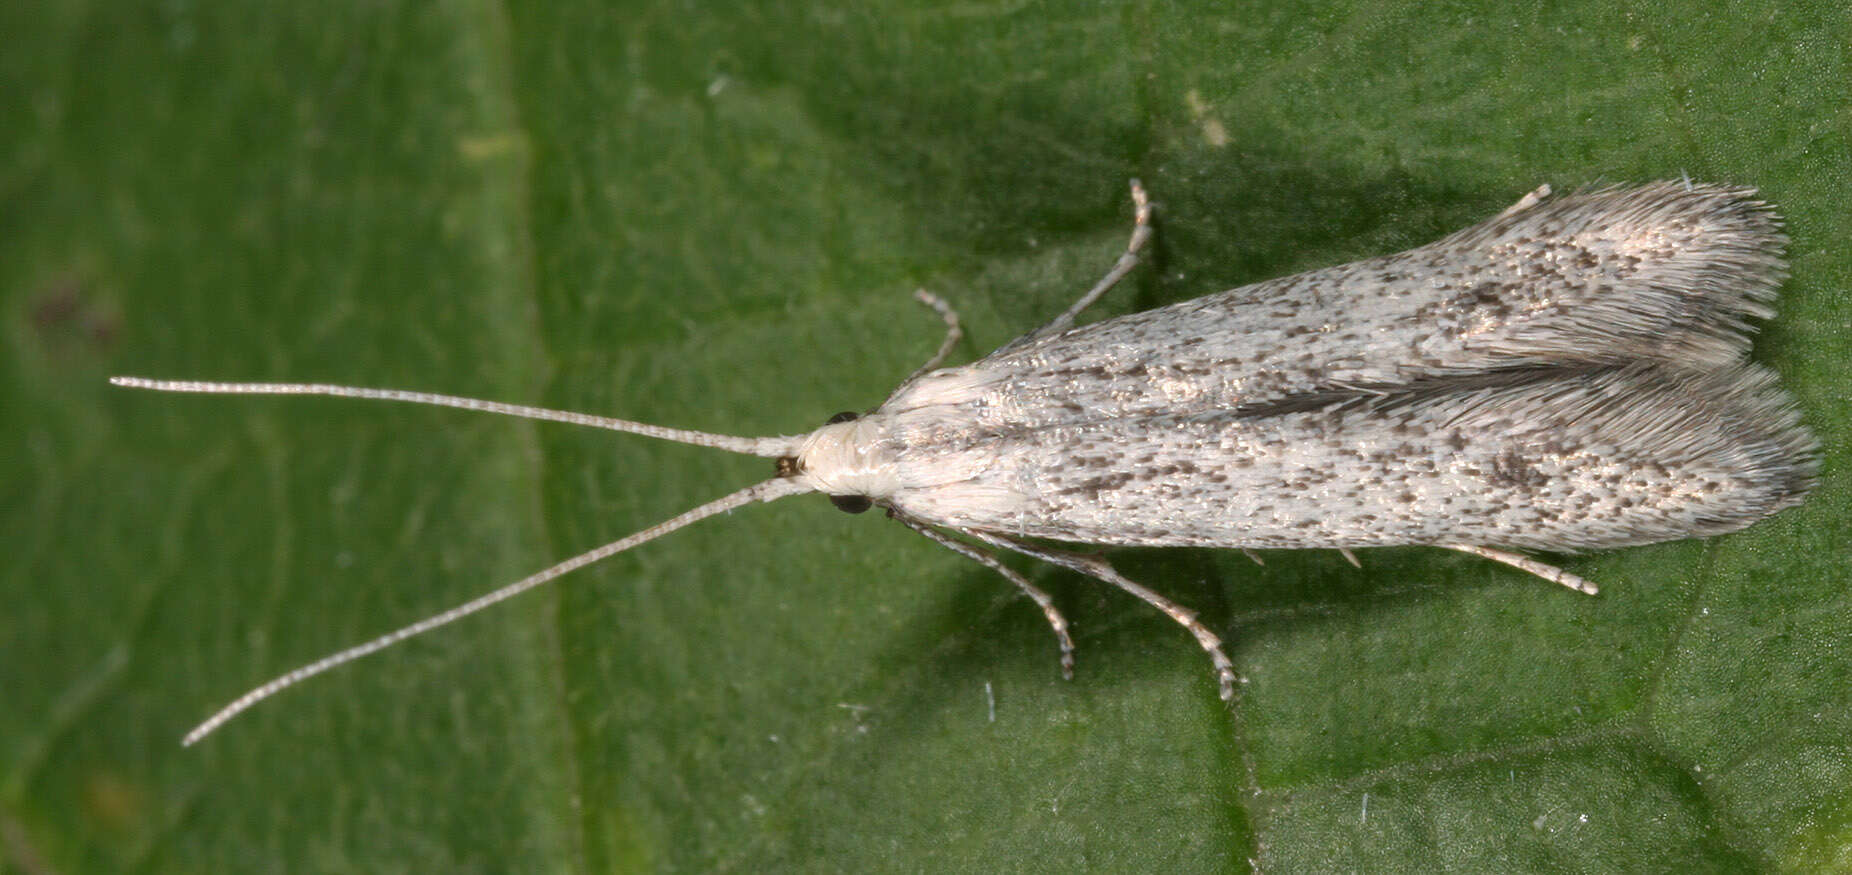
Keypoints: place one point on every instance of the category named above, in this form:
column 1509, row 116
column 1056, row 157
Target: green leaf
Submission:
column 713, row 218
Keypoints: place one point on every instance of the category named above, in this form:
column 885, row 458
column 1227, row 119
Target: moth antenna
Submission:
column 767, row 447
column 766, row 491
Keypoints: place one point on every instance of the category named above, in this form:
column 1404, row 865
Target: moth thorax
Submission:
column 849, row 458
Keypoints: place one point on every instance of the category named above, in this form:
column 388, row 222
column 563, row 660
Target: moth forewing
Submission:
column 1568, row 375
column 1602, row 457
column 1665, row 272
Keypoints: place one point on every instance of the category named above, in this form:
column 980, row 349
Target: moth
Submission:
column 1568, row 375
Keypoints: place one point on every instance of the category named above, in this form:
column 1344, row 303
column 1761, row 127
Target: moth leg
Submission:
column 1035, row 593
column 1524, row 563
column 1350, row 557
column 1099, row 569
column 953, row 332
column 1536, row 197
column 1141, row 234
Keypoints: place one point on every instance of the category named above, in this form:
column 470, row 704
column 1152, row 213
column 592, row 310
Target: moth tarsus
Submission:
column 1041, row 598
column 1567, row 375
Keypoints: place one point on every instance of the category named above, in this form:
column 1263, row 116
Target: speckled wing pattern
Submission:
column 1568, row 375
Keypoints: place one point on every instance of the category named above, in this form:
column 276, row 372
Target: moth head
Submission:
column 847, row 460
column 831, row 445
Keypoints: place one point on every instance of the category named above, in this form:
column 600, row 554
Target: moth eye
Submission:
column 844, row 416
column 852, row 503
